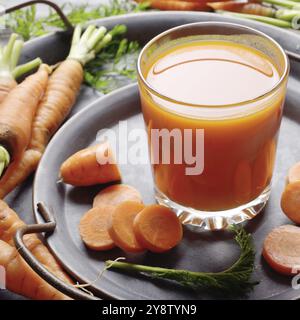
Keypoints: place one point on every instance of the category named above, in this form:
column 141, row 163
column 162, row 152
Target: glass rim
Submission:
column 236, row 104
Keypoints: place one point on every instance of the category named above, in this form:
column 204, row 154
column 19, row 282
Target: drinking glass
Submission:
column 237, row 141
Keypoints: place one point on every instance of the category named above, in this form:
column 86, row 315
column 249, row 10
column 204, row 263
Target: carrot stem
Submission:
column 26, row 67
column 86, row 45
column 4, row 159
column 16, row 52
column 9, row 57
column 116, row 31
column 287, row 14
column 285, row 3
column 268, row 20
column 8, row 50
column 107, row 38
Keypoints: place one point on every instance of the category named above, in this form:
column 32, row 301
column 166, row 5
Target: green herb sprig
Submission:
column 235, row 281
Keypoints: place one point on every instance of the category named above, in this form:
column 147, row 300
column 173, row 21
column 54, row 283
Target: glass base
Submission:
column 216, row 220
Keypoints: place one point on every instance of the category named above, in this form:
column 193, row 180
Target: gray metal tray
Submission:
column 199, row 251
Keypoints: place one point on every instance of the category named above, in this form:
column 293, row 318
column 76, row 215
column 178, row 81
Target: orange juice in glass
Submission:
column 212, row 97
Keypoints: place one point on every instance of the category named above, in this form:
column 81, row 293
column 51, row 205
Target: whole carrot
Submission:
column 9, row 71
column 10, row 222
column 65, row 83
column 59, row 98
column 16, row 116
column 177, row 5
column 243, row 6
column 21, row 279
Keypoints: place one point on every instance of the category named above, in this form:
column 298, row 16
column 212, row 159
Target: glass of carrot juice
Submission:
column 212, row 97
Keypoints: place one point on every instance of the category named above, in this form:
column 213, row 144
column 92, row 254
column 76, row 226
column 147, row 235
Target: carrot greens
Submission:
column 233, row 281
column 115, row 65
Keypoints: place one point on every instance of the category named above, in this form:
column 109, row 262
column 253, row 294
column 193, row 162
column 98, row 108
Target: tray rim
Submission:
column 284, row 295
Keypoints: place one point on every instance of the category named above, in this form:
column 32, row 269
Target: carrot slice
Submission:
column 157, row 228
column 282, row 249
column 93, row 228
column 116, row 194
column 121, row 227
column 294, row 173
column 290, row 201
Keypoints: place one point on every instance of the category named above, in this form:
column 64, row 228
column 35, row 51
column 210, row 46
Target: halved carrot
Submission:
column 90, row 166
column 93, row 228
column 116, row 194
column 290, row 201
column 294, row 173
column 157, row 228
column 282, row 249
column 121, row 226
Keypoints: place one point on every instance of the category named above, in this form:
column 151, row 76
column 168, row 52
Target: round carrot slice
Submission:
column 290, row 201
column 93, row 228
column 121, row 226
column 282, row 249
column 116, row 194
column 157, row 228
column 294, row 173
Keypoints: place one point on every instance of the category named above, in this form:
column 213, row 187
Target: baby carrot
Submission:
column 21, row 279
column 282, row 249
column 90, row 166
column 10, row 222
column 290, row 201
column 116, row 194
column 93, row 228
column 157, row 228
column 121, row 226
